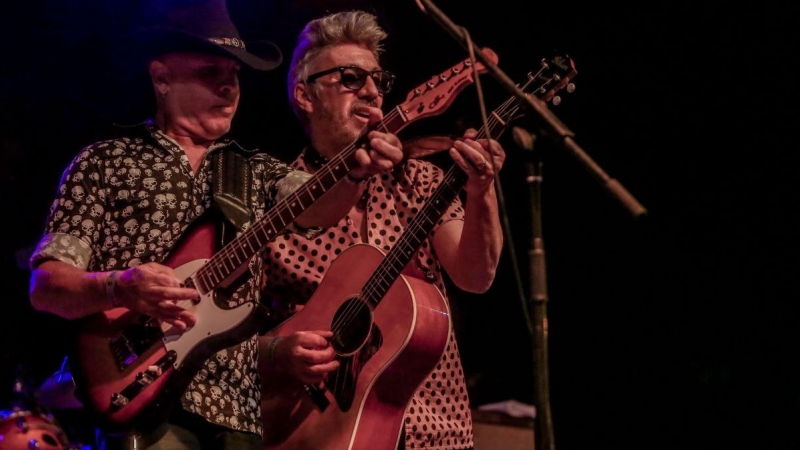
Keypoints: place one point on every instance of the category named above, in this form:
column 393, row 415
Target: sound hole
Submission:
column 351, row 326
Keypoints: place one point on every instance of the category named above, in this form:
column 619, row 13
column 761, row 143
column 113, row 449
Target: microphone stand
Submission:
column 551, row 125
column 543, row 434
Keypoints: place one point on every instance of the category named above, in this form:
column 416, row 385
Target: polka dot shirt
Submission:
column 438, row 414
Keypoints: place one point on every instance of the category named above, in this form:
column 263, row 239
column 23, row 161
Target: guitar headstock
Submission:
column 436, row 94
column 554, row 75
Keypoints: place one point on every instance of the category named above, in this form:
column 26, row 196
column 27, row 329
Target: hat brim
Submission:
column 259, row 55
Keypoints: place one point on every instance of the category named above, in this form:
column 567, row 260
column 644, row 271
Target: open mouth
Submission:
column 361, row 112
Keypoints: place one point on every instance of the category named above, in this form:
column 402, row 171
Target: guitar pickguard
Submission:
column 342, row 382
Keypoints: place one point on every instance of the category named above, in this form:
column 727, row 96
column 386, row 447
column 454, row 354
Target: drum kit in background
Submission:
column 49, row 417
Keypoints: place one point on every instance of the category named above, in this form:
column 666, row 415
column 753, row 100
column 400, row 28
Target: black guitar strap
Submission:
column 231, row 179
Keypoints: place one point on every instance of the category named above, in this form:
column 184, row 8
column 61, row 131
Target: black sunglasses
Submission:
column 353, row 77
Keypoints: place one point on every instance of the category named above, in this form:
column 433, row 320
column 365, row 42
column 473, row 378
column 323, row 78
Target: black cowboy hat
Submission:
column 200, row 26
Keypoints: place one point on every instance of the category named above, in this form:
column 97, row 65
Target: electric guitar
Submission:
column 129, row 368
column 389, row 328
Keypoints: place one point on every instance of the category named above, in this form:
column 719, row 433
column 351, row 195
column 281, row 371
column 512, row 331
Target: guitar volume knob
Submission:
column 144, row 378
column 118, row 399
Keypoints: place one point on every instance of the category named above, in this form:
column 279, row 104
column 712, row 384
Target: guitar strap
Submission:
column 231, row 179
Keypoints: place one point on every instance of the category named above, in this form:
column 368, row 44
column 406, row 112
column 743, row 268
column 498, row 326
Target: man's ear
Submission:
column 159, row 76
column 302, row 96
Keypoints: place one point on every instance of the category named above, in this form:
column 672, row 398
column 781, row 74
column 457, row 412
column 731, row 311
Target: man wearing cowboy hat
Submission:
column 123, row 222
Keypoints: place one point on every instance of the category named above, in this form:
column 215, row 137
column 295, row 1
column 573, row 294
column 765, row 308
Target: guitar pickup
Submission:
column 133, row 341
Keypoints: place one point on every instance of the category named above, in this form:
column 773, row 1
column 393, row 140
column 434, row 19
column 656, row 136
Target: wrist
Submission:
column 111, row 287
column 349, row 177
column 270, row 354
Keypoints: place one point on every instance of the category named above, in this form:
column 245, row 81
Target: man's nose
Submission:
column 370, row 89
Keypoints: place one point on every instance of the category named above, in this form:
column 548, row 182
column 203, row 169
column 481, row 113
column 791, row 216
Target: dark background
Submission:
column 675, row 330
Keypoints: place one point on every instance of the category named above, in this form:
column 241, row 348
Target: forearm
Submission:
column 474, row 262
column 67, row 291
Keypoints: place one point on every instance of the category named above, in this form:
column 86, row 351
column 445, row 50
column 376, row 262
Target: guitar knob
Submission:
column 144, row 378
column 118, row 399
column 571, row 88
column 556, row 100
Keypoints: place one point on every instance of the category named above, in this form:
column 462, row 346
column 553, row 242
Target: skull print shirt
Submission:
column 126, row 201
column 438, row 414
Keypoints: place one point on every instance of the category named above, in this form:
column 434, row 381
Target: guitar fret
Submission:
column 311, row 194
column 395, row 122
column 240, row 256
column 216, row 274
column 257, row 246
column 230, row 265
column 272, row 230
column 284, row 222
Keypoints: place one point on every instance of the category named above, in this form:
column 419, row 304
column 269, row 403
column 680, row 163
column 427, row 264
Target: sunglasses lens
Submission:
column 354, row 77
column 383, row 80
